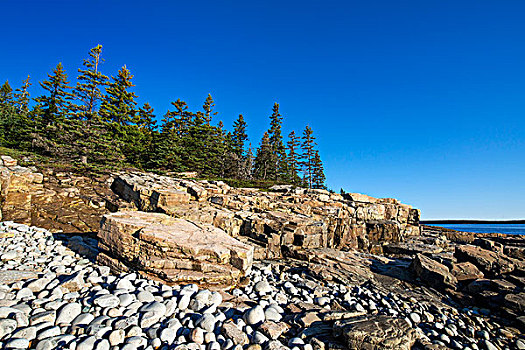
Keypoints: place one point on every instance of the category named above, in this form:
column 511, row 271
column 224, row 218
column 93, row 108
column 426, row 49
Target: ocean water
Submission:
column 514, row 229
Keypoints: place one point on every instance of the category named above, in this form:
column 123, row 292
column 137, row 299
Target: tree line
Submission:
column 98, row 121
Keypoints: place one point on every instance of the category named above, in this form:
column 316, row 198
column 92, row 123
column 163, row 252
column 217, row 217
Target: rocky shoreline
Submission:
column 52, row 297
column 185, row 264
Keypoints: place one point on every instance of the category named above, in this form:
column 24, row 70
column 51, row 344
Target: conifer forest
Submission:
column 97, row 122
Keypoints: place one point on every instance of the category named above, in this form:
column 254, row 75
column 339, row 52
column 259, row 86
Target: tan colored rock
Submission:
column 433, row 273
column 278, row 222
column 173, row 249
column 489, row 262
column 379, row 332
column 466, row 271
column 18, row 186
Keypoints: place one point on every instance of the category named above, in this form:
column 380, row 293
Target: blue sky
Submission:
column 423, row 101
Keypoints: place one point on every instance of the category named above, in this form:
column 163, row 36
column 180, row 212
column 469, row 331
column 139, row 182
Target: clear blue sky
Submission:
column 423, row 101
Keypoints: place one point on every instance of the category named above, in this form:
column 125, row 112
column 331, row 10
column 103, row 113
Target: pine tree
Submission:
column 7, row 115
column 263, row 159
column 55, row 107
column 279, row 168
column 6, row 94
column 119, row 103
column 51, row 114
column 169, row 143
column 89, row 83
column 307, row 162
column 239, row 136
column 293, row 158
column 140, row 147
column 318, row 177
column 246, row 170
column 208, row 109
column 21, row 96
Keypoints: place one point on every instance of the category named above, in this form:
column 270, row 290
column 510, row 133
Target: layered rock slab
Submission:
column 278, row 222
column 172, row 249
column 378, row 332
column 18, row 186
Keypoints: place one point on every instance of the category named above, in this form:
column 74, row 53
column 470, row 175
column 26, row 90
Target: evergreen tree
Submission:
column 307, row 162
column 7, row 115
column 51, row 114
column 21, row 96
column 263, row 160
column 239, row 136
column 175, row 125
column 119, row 103
column 208, row 106
column 246, row 170
column 278, row 169
column 56, row 106
column 89, row 83
column 20, row 126
column 318, row 177
column 140, row 135
column 6, row 94
column 293, row 158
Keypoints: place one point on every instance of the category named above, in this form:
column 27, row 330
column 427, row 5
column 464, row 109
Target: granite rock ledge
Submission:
column 172, row 249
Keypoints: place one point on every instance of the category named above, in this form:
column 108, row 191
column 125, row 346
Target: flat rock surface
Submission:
column 174, row 248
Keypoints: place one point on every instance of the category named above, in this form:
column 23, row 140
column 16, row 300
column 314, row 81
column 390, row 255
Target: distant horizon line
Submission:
column 472, row 221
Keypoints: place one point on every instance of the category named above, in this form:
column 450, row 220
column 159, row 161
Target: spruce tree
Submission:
column 293, row 158
column 21, row 96
column 278, row 168
column 7, row 116
column 90, row 80
column 308, row 154
column 169, row 143
column 318, row 177
column 6, row 94
column 140, row 148
column 56, row 106
column 119, row 103
column 239, row 136
column 52, row 113
column 208, row 106
column 246, row 170
column 264, row 159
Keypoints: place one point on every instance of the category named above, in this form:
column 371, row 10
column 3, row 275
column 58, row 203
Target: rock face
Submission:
column 18, row 186
column 278, row 222
column 433, row 273
column 489, row 262
column 380, row 332
column 58, row 201
column 173, row 249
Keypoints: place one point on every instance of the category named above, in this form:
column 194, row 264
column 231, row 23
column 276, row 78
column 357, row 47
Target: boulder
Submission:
column 466, row 271
column 432, row 273
column 172, row 249
column 489, row 262
column 379, row 332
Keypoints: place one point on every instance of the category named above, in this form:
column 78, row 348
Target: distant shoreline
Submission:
column 447, row 222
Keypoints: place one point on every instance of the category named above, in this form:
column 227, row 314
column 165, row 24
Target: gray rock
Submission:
column 155, row 307
column 67, row 313
column 254, row 315
column 206, row 322
column 87, row 344
column 263, row 287
column 414, row 317
column 48, row 332
column 17, row 343
column 168, row 335
column 107, row 300
column 145, row 296
column 7, row 326
column 116, row 337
